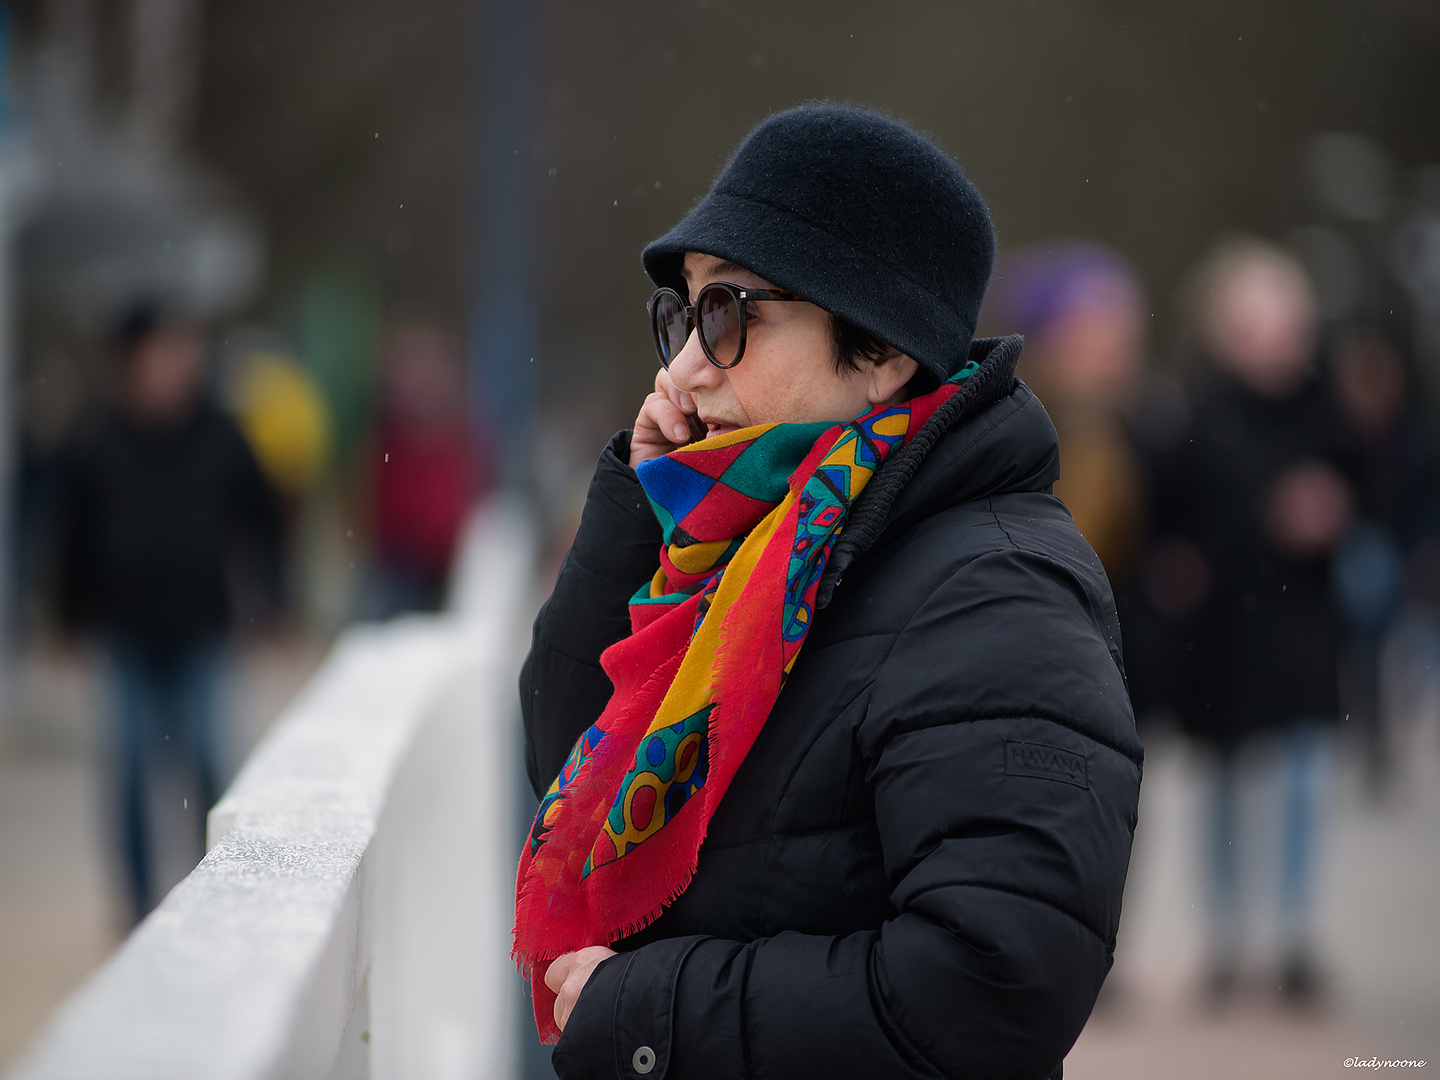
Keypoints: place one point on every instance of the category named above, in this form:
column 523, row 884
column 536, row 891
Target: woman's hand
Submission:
column 568, row 975
column 666, row 421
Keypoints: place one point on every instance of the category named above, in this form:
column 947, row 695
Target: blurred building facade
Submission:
column 339, row 143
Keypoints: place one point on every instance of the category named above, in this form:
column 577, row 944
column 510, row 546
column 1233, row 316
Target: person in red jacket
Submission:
column 427, row 468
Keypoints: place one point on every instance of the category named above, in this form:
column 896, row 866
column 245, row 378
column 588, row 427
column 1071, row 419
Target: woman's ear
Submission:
column 888, row 378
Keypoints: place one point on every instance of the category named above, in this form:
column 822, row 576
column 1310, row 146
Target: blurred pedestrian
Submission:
column 427, row 466
column 1259, row 500
column 162, row 506
column 1395, row 517
column 1079, row 307
column 283, row 413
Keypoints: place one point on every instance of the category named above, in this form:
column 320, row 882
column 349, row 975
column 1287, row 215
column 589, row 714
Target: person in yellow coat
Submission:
column 283, row 414
column 1079, row 307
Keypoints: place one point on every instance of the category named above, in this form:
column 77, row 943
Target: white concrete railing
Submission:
column 352, row 916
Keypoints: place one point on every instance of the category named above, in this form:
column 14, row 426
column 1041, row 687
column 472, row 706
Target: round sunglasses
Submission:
column 719, row 313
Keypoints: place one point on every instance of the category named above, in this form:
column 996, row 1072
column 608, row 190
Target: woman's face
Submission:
column 787, row 374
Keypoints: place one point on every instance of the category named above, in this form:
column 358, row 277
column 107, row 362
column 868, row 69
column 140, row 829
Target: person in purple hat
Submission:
column 1079, row 306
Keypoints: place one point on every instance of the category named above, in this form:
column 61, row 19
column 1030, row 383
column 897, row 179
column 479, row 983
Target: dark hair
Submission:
column 852, row 345
column 137, row 322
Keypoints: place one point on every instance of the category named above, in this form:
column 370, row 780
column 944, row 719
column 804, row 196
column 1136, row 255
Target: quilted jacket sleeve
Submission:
column 1005, row 793
column 562, row 687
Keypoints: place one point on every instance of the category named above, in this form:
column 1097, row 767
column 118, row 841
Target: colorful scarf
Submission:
column 749, row 519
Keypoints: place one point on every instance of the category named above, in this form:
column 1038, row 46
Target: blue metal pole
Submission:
column 504, row 309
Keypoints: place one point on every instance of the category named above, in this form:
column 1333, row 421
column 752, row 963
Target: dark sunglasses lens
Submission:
column 668, row 323
column 720, row 325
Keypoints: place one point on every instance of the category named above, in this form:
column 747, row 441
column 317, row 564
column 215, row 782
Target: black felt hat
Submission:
column 857, row 214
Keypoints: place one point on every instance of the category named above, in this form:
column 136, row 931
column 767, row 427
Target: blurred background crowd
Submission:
column 286, row 287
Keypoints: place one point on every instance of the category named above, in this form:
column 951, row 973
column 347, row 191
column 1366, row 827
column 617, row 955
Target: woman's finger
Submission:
column 682, row 399
column 666, row 421
column 557, row 971
column 665, row 417
column 565, row 1002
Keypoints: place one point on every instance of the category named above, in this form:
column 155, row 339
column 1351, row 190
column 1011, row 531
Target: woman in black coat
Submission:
column 917, row 868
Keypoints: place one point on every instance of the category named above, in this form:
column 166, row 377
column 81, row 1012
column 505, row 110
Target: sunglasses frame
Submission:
column 738, row 293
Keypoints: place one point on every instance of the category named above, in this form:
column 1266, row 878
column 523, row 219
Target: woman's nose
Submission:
column 691, row 369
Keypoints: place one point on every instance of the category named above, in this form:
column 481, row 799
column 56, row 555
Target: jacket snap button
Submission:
column 644, row 1060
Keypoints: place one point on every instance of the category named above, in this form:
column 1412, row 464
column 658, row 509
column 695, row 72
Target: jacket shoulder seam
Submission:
column 995, row 514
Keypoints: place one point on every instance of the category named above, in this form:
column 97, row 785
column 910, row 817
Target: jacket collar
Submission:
column 992, row 437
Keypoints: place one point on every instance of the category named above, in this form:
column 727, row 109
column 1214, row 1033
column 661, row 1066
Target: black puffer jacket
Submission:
column 917, row 870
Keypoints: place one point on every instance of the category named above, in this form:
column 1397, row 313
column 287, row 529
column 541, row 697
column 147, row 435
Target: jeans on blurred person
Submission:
column 1368, row 573
column 166, row 725
column 1299, row 769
